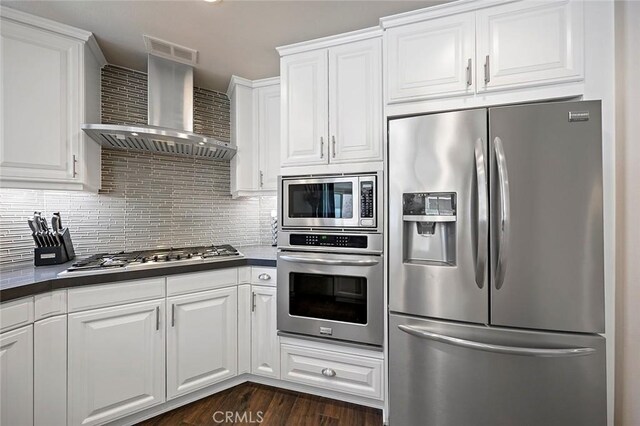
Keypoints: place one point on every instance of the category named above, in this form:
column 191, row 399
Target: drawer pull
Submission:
column 264, row 277
column 328, row 372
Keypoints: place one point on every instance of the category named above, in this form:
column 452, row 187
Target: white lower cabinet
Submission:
column 265, row 345
column 332, row 370
column 50, row 371
column 116, row 361
column 202, row 338
column 16, row 377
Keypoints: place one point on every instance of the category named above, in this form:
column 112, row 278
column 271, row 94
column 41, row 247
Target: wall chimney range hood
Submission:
column 170, row 111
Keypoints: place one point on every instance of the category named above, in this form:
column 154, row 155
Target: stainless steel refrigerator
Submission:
column 496, row 275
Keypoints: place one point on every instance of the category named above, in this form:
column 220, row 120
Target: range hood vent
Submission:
column 170, row 111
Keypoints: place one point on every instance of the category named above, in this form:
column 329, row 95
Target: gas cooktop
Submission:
column 126, row 261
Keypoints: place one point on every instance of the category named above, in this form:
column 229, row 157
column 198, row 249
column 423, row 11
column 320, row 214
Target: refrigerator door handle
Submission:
column 501, row 349
column 483, row 213
column 505, row 213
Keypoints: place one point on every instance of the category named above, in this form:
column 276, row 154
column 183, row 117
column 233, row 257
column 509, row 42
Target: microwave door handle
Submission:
column 320, row 261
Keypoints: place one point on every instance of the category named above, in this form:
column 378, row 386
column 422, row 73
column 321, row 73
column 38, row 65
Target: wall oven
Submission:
column 332, row 295
column 331, row 201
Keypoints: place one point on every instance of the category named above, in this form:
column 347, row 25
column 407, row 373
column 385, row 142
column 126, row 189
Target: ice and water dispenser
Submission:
column 429, row 228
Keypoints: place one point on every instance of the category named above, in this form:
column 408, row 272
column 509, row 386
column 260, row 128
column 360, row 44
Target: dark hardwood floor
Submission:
column 248, row 403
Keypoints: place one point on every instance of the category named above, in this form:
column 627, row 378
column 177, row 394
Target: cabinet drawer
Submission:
column 352, row 374
column 199, row 281
column 99, row 296
column 264, row 276
column 16, row 313
column 50, row 304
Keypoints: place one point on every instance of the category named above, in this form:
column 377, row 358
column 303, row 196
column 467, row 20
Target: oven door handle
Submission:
column 320, row 261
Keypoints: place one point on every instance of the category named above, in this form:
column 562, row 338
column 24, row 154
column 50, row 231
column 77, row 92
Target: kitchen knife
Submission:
column 38, row 226
column 57, row 214
column 55, row 228
column 34, row 232
column 41, row 225
column 47, row 232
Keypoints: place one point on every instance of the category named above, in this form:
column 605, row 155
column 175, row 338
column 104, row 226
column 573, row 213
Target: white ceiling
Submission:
column 232, row 37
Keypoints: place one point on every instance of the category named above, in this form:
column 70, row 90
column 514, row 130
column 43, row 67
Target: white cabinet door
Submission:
column 116, row 360
column 202, row 333
column 16, row 377
column 431, row 58
column 265, row 350
column 355, row 102
column 50, row 371
column 529, row 43
column 304, row 108
column 244, row 328
column 39, row 92
column 268, row 133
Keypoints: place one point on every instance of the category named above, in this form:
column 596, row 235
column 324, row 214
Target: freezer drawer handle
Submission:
column 509, row 350
column 320, row 261
column 505, row 213
column 483, row 213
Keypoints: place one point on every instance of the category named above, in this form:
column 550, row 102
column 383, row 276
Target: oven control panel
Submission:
column 351, row 241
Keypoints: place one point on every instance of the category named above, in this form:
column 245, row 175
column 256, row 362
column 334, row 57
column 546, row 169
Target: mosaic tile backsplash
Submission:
column 147, row 200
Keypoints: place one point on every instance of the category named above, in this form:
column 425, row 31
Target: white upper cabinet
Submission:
column 355, row 101
column 267, row 106
column 433, row 58
column 529, row 43
column 305, row 115
column 332, row 100
column 201, row 340
column 255, row 130
column 116, row 361
column 50, row 85
column 265, row 351
column 16, row 377
column 468, row 49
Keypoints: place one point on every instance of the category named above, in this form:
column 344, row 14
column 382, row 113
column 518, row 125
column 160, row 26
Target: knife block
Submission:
column 55, row 255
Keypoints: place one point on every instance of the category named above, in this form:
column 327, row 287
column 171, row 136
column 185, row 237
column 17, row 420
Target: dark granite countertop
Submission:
column 28, row 280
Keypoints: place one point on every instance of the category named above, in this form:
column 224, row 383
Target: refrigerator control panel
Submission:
column 351, row 241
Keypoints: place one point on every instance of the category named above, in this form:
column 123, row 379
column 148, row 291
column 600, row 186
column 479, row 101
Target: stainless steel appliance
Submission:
column 331, row 201
column 144, row 259
column 496, row 270
column 330, row 265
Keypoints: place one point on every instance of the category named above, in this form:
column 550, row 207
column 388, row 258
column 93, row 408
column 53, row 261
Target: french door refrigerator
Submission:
column 496, row 275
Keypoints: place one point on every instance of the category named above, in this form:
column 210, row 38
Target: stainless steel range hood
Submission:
column 170, row 118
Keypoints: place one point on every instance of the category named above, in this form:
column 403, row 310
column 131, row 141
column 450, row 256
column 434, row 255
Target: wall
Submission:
column 627, row 404
column 146, row 200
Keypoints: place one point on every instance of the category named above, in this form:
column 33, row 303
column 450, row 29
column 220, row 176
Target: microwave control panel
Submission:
column 367, row 199
column 351, row 241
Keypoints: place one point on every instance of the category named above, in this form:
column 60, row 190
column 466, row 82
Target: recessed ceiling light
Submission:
column 201, row 143
column 213, row 1
column 134, row 134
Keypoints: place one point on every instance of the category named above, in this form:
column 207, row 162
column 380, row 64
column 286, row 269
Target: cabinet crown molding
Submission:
column 55, row 27
column 252, row 84
column 438, row 11
column 334, row 40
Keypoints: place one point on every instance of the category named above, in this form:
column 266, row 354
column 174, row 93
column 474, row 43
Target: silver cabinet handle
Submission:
column 261, row 178
column 333, row 142
column 321, row 147
column 483, row 213
column 469, row 72
column 173, row 314
column 157, row 318
column 74, row 166
column 253, row 301
column 320, row 261
column 328, row 372
column 505, row 213
column 488, row 347
column 487, row 70
column 264, row 277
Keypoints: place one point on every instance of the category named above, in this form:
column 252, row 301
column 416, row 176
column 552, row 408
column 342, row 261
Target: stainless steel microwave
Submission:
column 331, row 201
